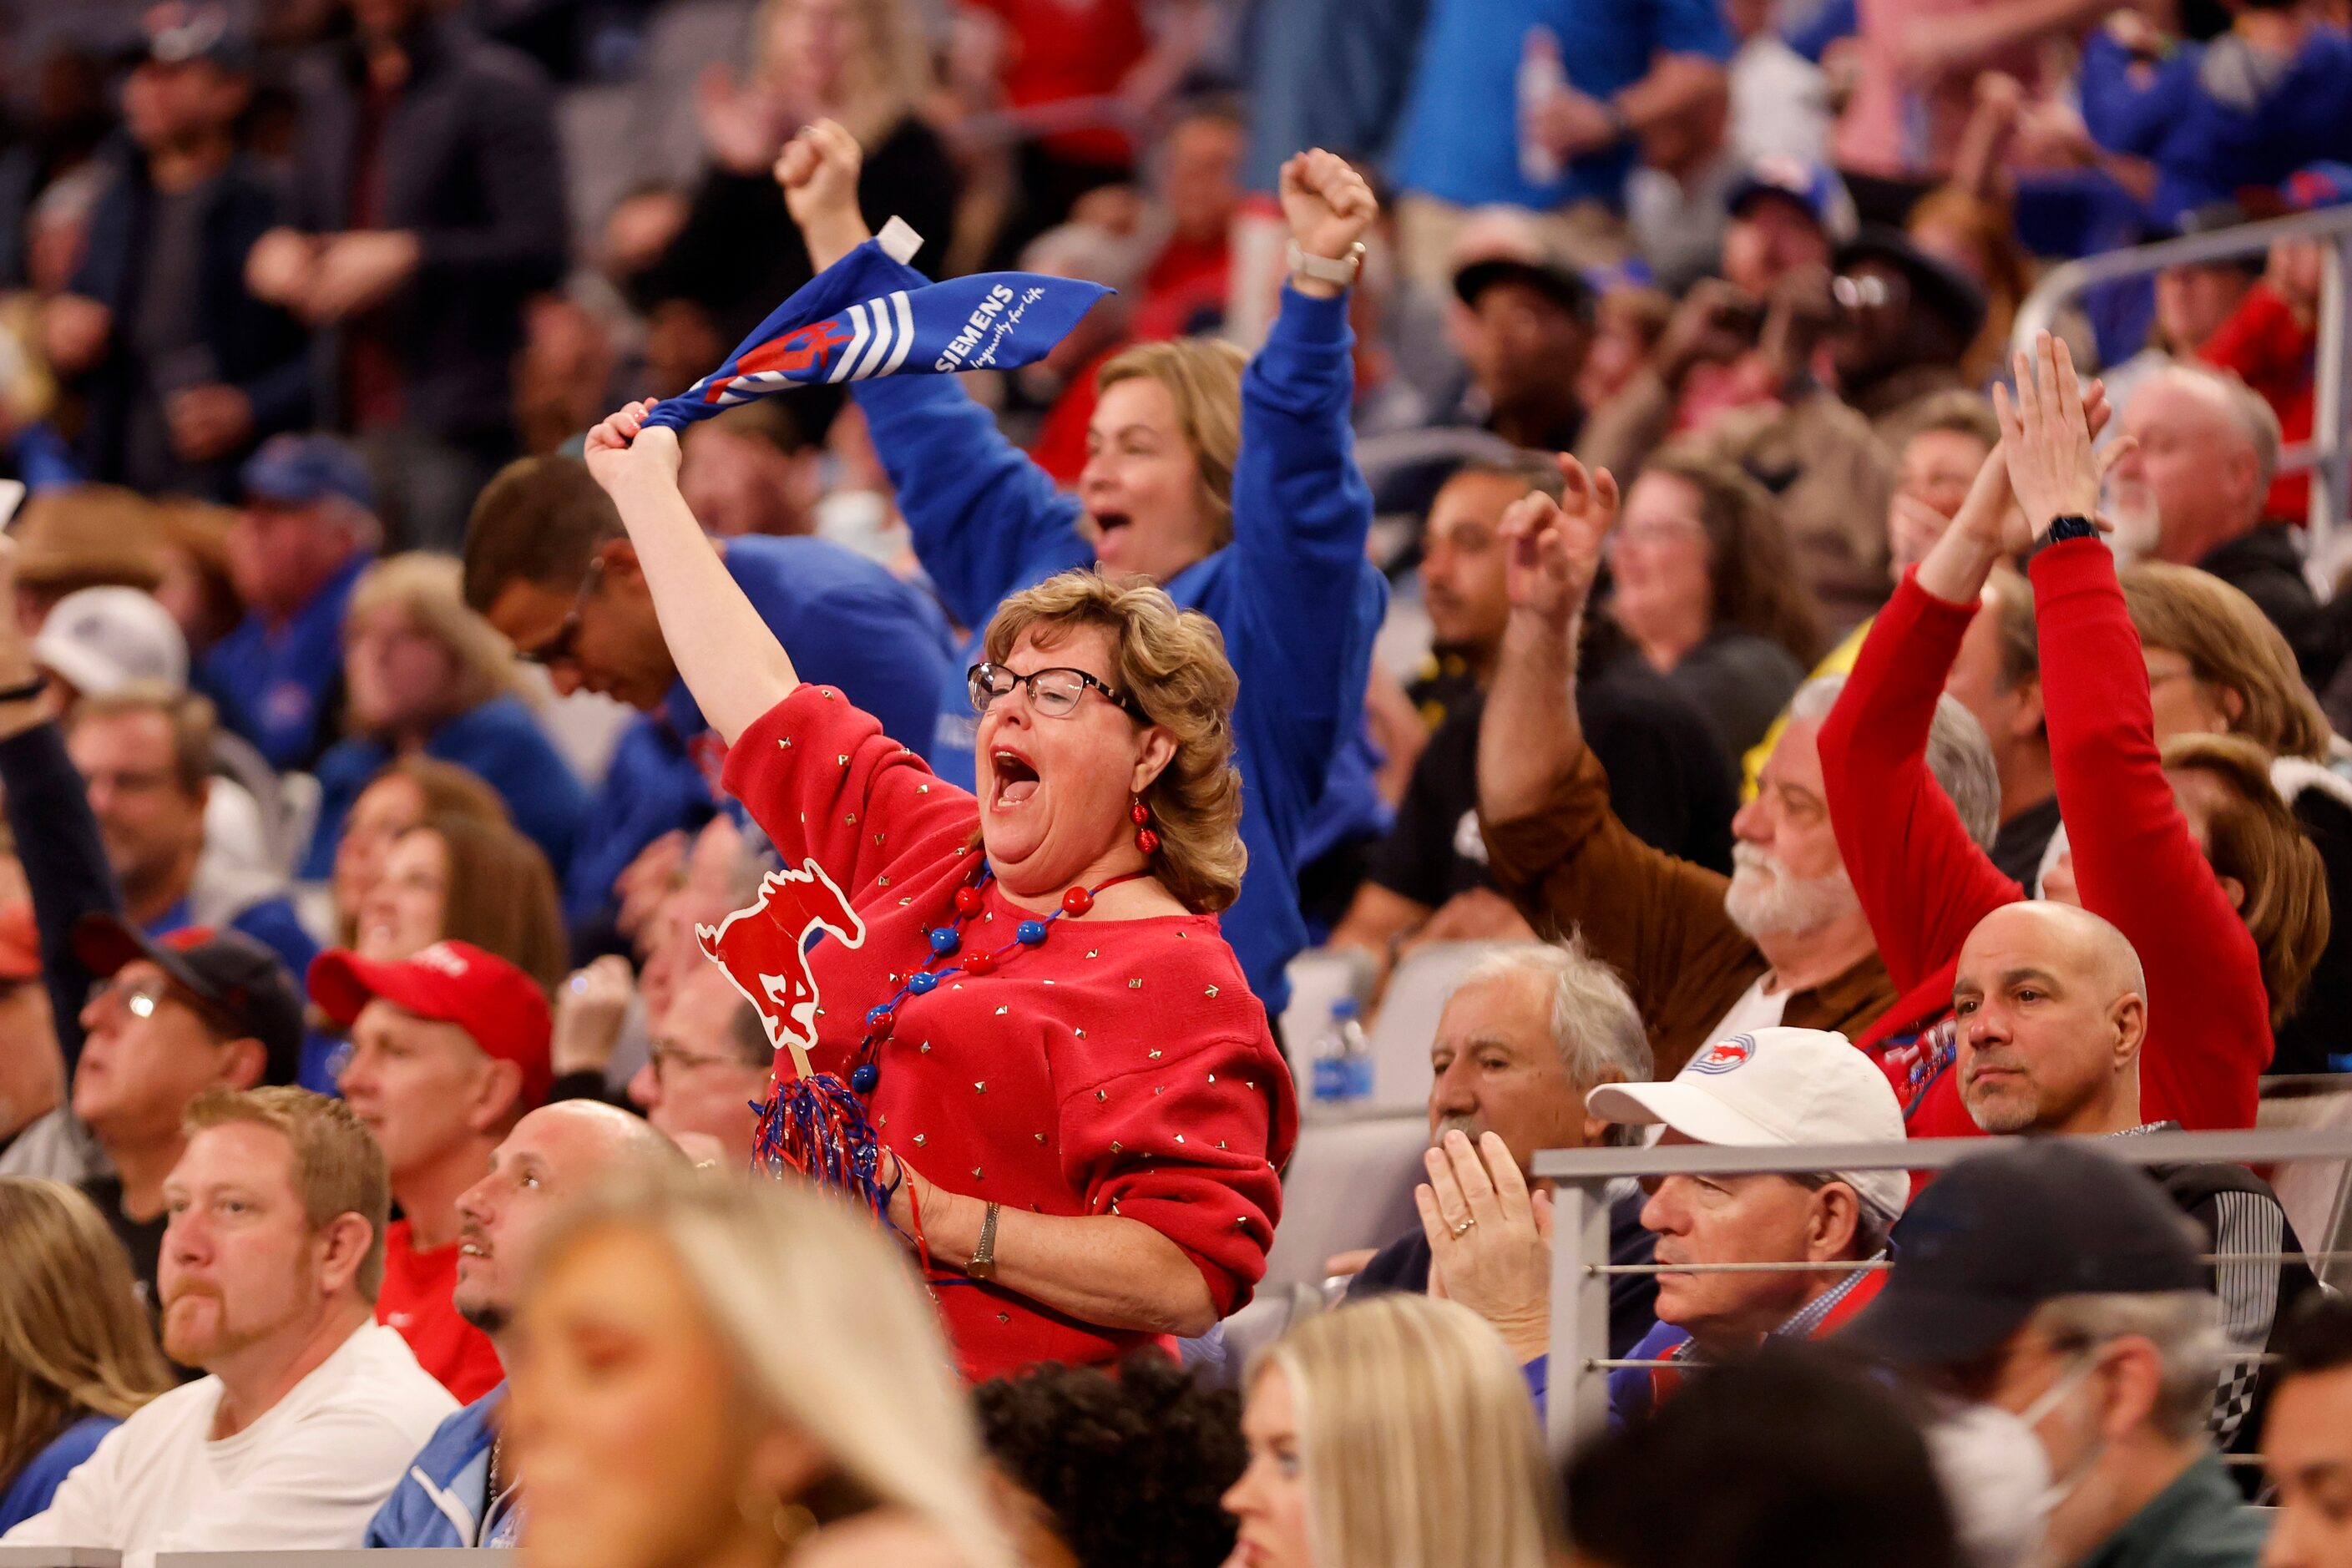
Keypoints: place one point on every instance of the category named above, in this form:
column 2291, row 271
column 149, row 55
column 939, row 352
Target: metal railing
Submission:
column 2327, row 455
column 1578, row 1399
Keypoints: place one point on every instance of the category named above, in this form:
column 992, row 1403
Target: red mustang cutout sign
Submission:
column 764, row 951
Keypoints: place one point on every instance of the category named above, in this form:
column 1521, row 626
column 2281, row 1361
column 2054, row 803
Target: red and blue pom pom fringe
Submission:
column 816, row 1128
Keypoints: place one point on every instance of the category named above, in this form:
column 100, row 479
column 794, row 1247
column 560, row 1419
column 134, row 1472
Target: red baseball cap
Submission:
column 498, row 1004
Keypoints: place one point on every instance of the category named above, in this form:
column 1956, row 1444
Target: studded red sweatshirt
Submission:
column 1924, row 884
column 1122, row 1067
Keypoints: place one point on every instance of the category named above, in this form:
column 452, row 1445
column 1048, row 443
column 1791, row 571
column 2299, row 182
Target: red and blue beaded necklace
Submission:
column 945, row 942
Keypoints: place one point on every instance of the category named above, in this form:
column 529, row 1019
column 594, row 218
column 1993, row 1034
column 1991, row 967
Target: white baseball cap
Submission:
column 103, row 639
column 1774, row 1089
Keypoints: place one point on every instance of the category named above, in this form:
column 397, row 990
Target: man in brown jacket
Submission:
column 1783, row 941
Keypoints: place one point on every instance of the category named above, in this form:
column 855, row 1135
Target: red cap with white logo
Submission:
column 497, row 1004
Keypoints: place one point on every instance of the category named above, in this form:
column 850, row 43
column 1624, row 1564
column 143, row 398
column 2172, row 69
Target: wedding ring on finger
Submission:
column 1464, row 1228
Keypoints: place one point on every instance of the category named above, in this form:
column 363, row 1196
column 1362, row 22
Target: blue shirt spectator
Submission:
column 501, row 743
column 1460, row 139
column 848, row 623
column 2219, row 117
column 296, row 553
column 36, row 1482
column 442, row 1501
column 548, row 564
column 1297, row 601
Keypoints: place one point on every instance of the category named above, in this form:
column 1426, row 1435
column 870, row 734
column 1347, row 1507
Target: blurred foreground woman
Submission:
column 738, row 1375
column 1393, row 1433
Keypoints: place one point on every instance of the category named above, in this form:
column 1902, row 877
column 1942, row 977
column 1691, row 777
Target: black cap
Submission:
column 239, row 980
column 1553, row 277
column 2002, row 1231
column 1935, row 282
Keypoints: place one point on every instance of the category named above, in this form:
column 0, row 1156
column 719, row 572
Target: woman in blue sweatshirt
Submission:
column 1235, row 490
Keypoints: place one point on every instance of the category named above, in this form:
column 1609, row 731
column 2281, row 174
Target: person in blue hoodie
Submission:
column 2246, row 110
column 425, row 674
column 457, row 1492
column 1236, row 490
column 548, row 564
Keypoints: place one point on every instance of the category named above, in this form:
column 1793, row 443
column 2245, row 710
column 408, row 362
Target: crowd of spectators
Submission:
column 1556, row 490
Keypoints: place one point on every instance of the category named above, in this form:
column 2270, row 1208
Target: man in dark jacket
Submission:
column 428, row 205
column 183, row 367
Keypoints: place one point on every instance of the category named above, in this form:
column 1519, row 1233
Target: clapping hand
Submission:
column 1551, row 550
column 1991, row 516
column 2046, row 436
column 1490, row 1239
column 1329, row 205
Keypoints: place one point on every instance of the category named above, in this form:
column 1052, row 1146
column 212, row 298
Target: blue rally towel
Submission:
column 852, row 320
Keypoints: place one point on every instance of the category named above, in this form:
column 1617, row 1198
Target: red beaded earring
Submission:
column 1145, row 839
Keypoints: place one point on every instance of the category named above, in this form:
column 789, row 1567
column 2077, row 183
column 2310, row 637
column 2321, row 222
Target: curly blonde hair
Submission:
column 1172, row 664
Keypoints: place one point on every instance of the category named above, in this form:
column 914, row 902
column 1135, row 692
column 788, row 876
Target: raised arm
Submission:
column 1531, row 737
column 2137, row 863
column 732, row 663
column 1922, row 880
column 986, row 521
column 1306, row 602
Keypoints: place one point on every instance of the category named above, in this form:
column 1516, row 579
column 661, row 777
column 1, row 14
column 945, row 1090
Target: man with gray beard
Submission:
column 1783, row 941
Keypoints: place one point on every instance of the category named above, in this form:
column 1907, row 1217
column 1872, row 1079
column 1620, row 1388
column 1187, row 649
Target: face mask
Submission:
column 1996, row 1473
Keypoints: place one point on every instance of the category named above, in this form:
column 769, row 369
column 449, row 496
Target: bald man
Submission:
column 2194, row 490
column 2050, row 1005
column 456, row 1494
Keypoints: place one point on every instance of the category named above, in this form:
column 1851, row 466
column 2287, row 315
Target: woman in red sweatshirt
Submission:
column 2138, row 861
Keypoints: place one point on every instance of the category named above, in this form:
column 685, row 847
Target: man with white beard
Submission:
column 1783, row 941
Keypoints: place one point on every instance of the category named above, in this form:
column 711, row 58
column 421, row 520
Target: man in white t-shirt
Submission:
column 272, row 1262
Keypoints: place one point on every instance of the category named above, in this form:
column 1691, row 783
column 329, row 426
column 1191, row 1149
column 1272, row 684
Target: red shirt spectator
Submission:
column 2271, row 345
column 1925, row 883
column 415, row 1301
column 1062, row 49
column 1120, row 1067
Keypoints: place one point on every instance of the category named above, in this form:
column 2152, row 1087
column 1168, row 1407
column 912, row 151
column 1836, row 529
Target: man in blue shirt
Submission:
column 459, row 1492
column 549, row 566
column 1596, row 77
column 144, row 757
column 307, row 530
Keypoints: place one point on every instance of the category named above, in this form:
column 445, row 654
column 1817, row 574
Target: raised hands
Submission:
column 1328, row 205
column 818, row 170
column 624, row 453
column 2046, row 438
column 1552, row 549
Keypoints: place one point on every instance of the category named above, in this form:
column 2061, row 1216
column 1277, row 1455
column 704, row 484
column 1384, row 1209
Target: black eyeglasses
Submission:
column 1054, row 692
column 557, row 648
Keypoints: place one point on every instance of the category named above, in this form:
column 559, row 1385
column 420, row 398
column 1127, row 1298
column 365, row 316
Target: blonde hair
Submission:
column 73, row 1341
column 2256, row 840
column 1417, row 1437
column 1172, row 665
column 831, row 1331
column 887, row 77
column 2230, row 643
column 426, row 591
column 1204, row 378
column 337, row 1168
